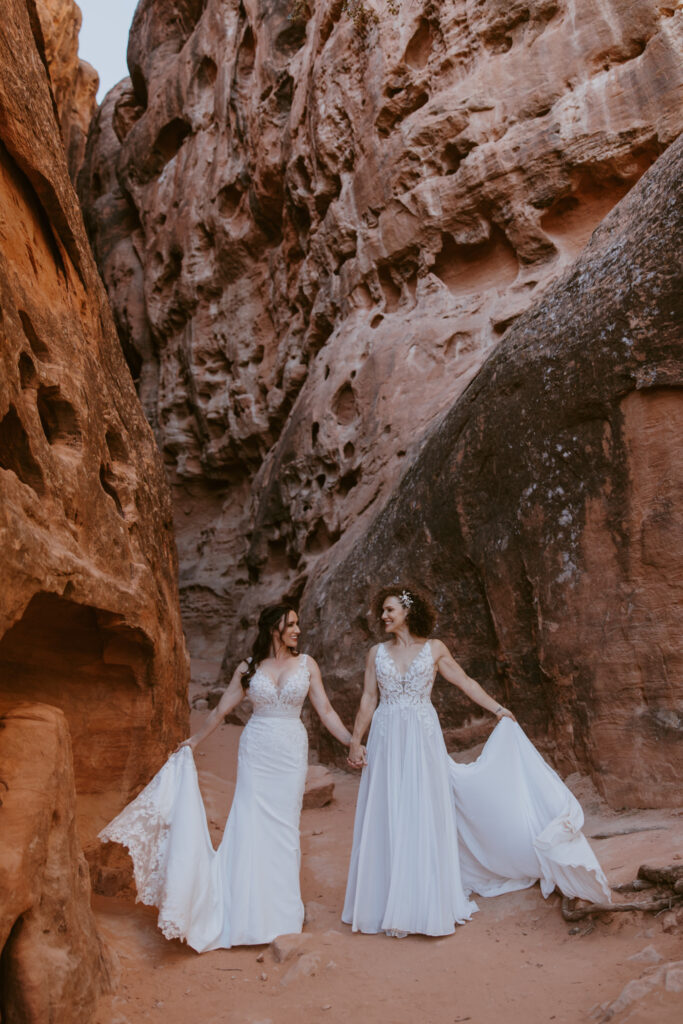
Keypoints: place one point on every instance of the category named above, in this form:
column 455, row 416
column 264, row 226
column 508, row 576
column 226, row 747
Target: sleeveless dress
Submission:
column 247, row 891
column 429, row 832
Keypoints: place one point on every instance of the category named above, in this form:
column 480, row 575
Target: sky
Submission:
column 103, row 40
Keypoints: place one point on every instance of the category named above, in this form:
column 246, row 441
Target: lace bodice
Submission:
column 285, row 700
column 413, row 686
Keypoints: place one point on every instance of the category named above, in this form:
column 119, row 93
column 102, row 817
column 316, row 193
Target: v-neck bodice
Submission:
column 285, row 700
column 414, row 686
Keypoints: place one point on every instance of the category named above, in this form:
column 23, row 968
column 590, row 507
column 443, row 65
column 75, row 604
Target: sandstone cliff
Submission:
column 89, row 616
column 52, row 963
column 74, row 82
column 312, row 238
column 543, row 515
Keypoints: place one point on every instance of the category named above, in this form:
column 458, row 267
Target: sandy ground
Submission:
column 516, row 961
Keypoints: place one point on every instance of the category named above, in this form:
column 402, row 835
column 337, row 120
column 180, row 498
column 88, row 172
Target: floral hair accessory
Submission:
column 405, row 597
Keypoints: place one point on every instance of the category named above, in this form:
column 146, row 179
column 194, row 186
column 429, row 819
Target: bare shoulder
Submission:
column 311, row 663
column 439, row 649
column 370, row 659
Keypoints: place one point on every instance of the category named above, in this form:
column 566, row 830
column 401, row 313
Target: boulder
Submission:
column 542, row 516
column 319, row 789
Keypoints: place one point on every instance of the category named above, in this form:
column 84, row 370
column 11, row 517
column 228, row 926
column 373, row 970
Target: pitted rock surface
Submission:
column 313, row 238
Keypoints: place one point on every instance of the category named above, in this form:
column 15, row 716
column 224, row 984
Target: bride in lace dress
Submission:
column 247, row 891
column 428, row 831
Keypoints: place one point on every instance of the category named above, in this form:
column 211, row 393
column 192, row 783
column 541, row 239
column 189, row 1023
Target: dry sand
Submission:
column 516, row 961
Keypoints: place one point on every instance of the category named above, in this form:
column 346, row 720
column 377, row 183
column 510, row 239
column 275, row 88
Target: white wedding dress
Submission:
column 247, row 891
column 429, row 832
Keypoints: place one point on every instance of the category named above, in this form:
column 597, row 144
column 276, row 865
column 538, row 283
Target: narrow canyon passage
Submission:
column 323, row 295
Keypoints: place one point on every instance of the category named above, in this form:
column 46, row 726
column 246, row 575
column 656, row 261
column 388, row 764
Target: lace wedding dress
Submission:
column 246, row 891
column 429, row 832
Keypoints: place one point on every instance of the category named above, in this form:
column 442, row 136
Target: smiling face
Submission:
column 394, row 614
column 289, row 631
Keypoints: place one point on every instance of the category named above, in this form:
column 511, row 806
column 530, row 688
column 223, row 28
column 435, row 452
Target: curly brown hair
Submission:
column 421, row 614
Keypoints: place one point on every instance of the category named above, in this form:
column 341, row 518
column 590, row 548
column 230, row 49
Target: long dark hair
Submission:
column 421, row 615
column 268, row 622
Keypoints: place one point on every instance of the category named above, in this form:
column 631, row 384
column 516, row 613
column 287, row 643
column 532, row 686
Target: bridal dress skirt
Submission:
column 429, row 832
column 247, row 891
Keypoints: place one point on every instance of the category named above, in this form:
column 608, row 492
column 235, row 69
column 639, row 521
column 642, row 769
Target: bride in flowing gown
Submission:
column 428, row 831
column 246, row 892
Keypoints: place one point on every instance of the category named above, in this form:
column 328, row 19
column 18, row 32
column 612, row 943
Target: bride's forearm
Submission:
column 228, row 703
column 336, row 727
column 209, row 724
column 479, row 695
column 363, row 718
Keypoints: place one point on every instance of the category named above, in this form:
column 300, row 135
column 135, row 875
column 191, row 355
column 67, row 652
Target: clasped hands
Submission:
column 358, row 756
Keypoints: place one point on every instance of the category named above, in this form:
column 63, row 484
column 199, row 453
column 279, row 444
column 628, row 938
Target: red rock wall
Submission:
column 89, row 616
column 74, row 82
column 312, row 239
column 543, row 516
column 53, row 965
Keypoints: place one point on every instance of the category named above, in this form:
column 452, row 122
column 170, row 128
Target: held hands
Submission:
column 358, row 756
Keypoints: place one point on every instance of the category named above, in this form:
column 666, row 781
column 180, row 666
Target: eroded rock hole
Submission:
column 283, row 94
column 344, row 405
column 392, row 292
column 330, row 191
column 318, row 333
column 315, row 430
column 455, row 152
column 472, row 268
column 400, row 107
column 108, row 482
column 96, row 668
column 139, row 86
column 38, row 347
column 291, row 38
column 229, row 198
column 27, row 371
column 245, row 55
column 206, row 73
column 170, row 139
column 116, row 446
column 15, row 452
column 301, row 219
column 58, row 418
column 321, row 538
column 348, row 481
column 420, row 46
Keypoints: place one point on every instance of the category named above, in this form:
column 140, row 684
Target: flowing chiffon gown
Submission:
column 430, row 832
column 247, row 891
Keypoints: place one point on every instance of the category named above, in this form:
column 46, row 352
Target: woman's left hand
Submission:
column 186, row 743
column 502, row 712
